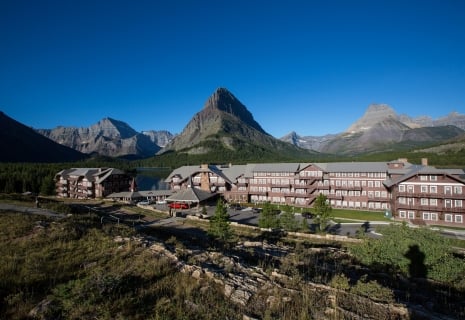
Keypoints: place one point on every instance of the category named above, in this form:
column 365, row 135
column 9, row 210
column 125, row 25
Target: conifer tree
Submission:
column 219, row 227
column 322, row 211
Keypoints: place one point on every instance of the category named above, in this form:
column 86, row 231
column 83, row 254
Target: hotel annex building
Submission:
column 420, row 193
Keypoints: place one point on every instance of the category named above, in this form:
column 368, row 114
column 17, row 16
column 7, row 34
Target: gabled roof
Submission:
column 353, row 166
column 105, row 173
column 234, row 172
column 277, row 167
column 185, row 172
column 155, row 193
column 427, row 170
column 190, row 195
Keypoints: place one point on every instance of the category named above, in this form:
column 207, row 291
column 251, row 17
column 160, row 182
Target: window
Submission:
column 448, row 190
column 448, row 217
column 423, row 178
column 401, row 188
column 433, row 189
column 458, row 203
column 433, row 202
column 402, row 214
column 411, row 214
column 377, row 184
column 433, row 216
column 433, row 178
column 458, row 218
column 447, row 203
column 424, row 201
column 458, row 189
column 410, row 189
column 424, row 189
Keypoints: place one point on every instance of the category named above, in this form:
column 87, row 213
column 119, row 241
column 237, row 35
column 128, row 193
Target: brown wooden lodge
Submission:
column 418, row 193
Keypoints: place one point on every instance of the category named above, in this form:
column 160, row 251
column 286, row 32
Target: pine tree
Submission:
column 219, row 227
column 288, row 221
column 269, row 218
column 322, row 211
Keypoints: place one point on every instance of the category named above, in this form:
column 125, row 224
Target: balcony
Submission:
column 299, row 195
column 259, row 193
column 310, row 178
column 430, row 195
column 349, row 188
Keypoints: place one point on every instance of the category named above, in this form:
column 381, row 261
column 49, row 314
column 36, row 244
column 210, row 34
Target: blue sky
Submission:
column 307, row 66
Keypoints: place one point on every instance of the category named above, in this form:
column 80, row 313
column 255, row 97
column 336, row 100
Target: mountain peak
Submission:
column 375, row 113
column 223, row 100
column 113, row 128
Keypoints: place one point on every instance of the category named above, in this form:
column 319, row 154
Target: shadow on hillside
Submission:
column 421, row 296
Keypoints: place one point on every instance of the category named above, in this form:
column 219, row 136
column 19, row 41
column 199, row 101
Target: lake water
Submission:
column 152, row 178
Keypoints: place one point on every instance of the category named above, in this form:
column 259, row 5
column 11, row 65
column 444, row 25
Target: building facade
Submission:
column 419, row 193
column 89, row 183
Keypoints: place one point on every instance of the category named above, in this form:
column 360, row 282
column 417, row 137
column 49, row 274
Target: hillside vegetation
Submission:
column 78, row 268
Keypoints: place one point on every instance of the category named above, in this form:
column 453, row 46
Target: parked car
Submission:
column 178, row 205
column 161, row 202
column 308, row 215
column 256, row 210
column 235, row 206
column 144, row 203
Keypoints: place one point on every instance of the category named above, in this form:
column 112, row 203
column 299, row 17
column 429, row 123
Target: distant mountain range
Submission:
column 381, row 129
column 109, row 137
column 226, row 128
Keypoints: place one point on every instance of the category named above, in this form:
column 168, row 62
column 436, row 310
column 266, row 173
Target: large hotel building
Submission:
column 419, row 193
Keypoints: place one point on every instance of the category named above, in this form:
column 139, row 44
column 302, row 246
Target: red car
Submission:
column 178, row 205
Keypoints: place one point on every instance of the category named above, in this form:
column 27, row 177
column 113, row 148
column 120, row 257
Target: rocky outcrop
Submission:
column 160, row 138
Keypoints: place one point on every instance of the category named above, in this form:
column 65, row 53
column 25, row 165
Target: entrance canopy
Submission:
column 190, row 195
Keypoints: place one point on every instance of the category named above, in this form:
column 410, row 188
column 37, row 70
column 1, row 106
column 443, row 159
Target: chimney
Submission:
column 133, row 185
column 424, row 162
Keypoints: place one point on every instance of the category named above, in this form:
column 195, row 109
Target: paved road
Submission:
column 244, row 216
column 30, row 210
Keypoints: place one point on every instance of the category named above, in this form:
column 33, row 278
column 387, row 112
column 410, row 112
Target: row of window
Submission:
column 409, row 188
column 448, row 203
column 359, row 174
column 360, row 204
column 273, row 174
column 424, row 177
column 357, row 183
column 432, row 216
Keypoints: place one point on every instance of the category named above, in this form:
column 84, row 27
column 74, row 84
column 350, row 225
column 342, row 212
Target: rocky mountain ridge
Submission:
column 19, row 143
column 225, row 123
column 382, row 129
column 160, row 138
column 108, row 137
